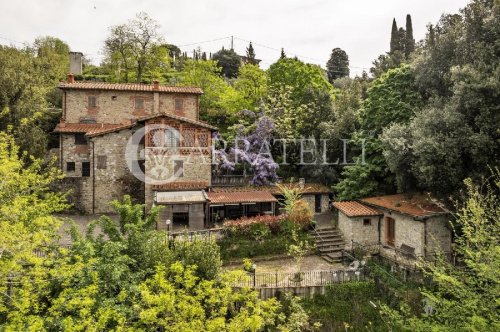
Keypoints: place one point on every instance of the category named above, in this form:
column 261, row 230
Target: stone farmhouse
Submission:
column 407, row 224
column 99, row 123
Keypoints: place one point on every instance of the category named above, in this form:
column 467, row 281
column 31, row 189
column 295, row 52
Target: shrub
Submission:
column 301, row 213
column 246, row 225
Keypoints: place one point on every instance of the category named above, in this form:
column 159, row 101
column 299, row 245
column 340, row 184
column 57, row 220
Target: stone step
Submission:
column 324, row 233
column 333, row 257
column 339, row 243
column 327, row 237
column 330, row 249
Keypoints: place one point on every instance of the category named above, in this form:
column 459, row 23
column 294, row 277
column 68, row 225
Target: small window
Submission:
column 178, row 168
column 92, row 102
column 179, row 105
column 113, row 97
column 80, row 139
column 139, row 103
column 85, row 169
column 171, row 138
column 101, row 162
column 70, row 166
column 367, row 222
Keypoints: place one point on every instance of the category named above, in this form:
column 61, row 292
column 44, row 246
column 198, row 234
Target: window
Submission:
column 113, row 97
column 86, row 169
column 139, row 103
column 317, row 203
column 178, row 168
column 70, row 166
column 101, row 162
column 92, row 102
column 367, row 222
column 171, row 138
column 80, row 139
column 179, row 105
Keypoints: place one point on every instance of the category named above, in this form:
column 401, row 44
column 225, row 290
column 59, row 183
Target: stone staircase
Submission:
column 329, row 243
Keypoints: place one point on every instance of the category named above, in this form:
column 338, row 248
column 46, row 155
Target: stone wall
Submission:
column 438, row 235
column 407, row 231
column 353, row 229
column 113, row 178
column 311, row 200
column 119, row 106
column 80, row 188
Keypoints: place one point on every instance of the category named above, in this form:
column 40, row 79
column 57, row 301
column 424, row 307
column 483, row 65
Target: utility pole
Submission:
column 232, row 43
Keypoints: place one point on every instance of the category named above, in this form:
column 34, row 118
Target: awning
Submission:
column 243, row 197
column 180, row 197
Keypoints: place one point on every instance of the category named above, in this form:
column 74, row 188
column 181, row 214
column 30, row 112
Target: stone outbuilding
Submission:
column 413, row 225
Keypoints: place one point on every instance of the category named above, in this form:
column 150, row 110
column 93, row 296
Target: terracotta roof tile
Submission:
column 129, row 87
column 309, row 188
column 83, row 127
column 416, row 205
column 181, row 185
column 356, row 209
column 179, row 118
column 241, row 197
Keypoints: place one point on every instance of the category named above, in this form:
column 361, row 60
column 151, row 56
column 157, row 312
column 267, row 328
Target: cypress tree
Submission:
column 432, row 37
column 409, row 40
column 204, row 56
column 402, row 40
column 283, row 55
column 251, row 54
column 394, row 36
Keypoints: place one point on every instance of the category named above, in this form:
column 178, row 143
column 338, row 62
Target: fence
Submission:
column 299, row 279
column 204, row 234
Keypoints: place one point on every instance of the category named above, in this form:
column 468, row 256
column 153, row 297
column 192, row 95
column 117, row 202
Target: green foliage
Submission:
column 346, row 306
column 204, row 255
column 135, row 50
column 229, row 61
column 338, row 65
column 252, row 84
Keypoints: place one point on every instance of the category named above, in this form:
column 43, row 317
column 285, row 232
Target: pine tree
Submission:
column 338, row 64
column 250, row 54
column 283, row 55
column 394, row 37
column 409, row 40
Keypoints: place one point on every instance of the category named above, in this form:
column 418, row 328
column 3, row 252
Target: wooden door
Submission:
column 390, row 231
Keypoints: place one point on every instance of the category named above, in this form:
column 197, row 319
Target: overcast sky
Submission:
column 309, row 29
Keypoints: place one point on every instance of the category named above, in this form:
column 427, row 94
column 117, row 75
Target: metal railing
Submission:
column 231, row 180
column 203, row 234
column 300, row 279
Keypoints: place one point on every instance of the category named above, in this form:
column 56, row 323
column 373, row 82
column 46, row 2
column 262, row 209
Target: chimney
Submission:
column 75, row 63
column 71, row 78
column 156, row 85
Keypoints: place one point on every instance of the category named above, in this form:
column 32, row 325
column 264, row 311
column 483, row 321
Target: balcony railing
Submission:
column 231, row 180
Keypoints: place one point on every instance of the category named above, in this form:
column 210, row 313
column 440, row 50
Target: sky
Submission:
column 308, row 29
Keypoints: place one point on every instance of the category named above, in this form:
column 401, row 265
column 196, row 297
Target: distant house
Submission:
column 409, row 224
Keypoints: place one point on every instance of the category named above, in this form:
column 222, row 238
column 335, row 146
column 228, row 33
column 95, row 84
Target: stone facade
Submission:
column 424, row 236
column 311, row 200
column 120, row 107
column 363, row 230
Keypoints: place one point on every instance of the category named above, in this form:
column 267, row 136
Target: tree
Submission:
column 463, row 297
column 135, row 46
column 409, row 40
column 252, row 84
column 391, row 99
column 300, row 77
column 229, row 61
column 282, row 55
column 454, row 136
column 338, row 65
column 395, row 43
column 251, row 54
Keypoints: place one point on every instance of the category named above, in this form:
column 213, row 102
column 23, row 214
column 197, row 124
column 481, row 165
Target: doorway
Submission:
column 390, row 231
